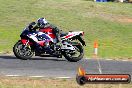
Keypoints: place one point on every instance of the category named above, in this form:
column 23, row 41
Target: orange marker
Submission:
column 96, row 44
column 95, row 48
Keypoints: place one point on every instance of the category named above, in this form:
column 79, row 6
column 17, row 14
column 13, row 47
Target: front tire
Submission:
column 71, row 58
column 21, row 53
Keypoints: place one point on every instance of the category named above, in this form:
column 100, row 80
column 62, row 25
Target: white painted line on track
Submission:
column 37, row 76
column 109, row 59
column 99, row 66
column 63, row 77
column 12, row 75
column 125, row 60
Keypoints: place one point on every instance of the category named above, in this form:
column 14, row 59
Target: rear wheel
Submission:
column 22, row 52
column 74, row 56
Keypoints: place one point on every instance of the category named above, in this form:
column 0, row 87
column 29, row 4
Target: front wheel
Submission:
column 74, row 56
column 22, row 52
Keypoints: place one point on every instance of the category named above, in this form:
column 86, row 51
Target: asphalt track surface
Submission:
column 55, row 67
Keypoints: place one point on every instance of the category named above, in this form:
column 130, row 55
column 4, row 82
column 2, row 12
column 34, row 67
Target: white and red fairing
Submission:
column 72, row 34
column 50, row 33
column 47, row 31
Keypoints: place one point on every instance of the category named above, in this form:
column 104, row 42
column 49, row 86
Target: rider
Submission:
column 43, row 23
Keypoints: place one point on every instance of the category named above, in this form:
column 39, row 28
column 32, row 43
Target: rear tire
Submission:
column 75, row 59
column 17, row 50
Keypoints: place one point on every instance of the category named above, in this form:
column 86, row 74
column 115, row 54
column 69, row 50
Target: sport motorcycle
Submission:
column 70, row 45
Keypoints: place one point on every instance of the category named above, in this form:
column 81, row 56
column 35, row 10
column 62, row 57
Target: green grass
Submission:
column 105, row 22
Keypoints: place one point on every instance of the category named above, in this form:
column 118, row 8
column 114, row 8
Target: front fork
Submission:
column 25, row 43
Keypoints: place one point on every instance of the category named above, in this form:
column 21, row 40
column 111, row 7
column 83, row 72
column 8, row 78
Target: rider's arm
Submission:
column 36, row 27
column 31, row 26
column 55, row 29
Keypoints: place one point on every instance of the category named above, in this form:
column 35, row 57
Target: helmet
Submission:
column 41, row 22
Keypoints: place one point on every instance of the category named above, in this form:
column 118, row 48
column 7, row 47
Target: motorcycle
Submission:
column 68, row 47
